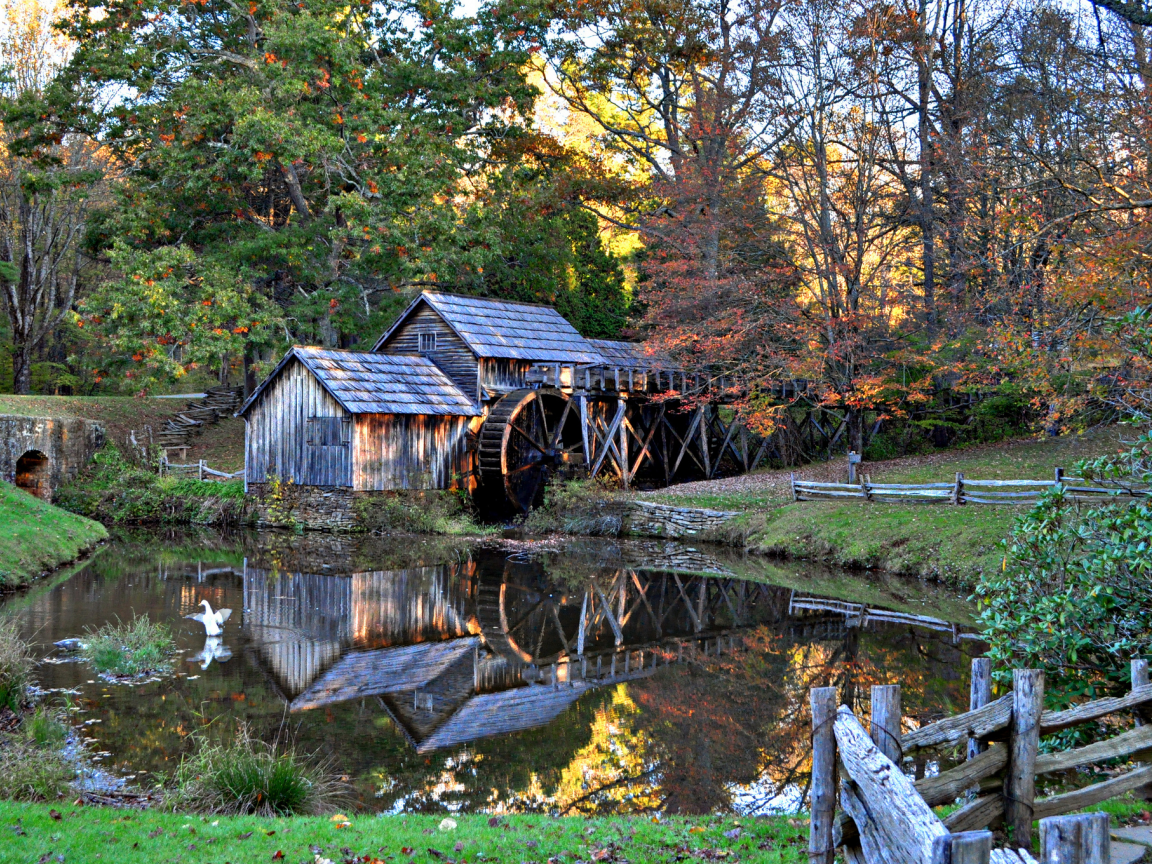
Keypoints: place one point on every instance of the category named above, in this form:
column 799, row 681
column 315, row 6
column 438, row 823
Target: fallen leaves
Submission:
column 55, row 814
column 279, row 856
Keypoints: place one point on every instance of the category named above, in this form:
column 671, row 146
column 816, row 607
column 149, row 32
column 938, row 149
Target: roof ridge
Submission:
column 490, row 299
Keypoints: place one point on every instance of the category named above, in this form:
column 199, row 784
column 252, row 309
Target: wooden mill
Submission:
column 469, row 392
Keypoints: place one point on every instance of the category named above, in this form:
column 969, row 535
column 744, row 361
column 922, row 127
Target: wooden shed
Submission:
column 486, row 346
column 357, row 421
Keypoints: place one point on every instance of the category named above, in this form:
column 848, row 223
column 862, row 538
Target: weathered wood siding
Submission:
column 499, row 375
column 409, row 451
column 276, row 440
column 453, row 357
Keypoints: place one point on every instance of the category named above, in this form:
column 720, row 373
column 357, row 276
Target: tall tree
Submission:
column 46, row 186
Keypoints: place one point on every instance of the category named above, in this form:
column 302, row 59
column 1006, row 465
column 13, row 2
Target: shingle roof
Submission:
column 366, row 383
column 499, row 328
column 617, row 353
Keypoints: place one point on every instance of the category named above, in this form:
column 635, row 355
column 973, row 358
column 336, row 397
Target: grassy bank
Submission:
column 91, row 833
column 36, row 537
column 221, row 445
column 953, row 544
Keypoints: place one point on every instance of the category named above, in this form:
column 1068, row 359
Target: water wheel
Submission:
column 528, row 437
column 526, row 619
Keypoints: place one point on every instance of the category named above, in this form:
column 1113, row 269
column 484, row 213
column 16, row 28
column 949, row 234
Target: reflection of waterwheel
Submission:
column 527, row 437
column 525, row 619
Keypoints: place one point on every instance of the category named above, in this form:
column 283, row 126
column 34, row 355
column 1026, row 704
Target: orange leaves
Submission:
column 260, row 156
column 269, row 57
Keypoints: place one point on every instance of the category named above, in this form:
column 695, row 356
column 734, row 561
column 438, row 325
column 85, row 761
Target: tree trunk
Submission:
column 21, row 367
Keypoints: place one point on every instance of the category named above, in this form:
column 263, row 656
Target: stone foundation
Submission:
column 318, row 508
column 648, row 519
column 40, row 454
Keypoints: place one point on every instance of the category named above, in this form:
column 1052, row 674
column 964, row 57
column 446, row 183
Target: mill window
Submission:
column 427, row 342
column 329, row 431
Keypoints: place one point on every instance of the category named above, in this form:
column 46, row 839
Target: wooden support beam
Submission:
column 980, row 694
column 687, row 439
column 886, row 720
column 823, row 795
column 1024, row 741
column 608, row 437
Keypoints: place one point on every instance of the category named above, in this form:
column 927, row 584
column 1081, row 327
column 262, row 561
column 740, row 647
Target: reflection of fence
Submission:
column 888, row 818
column 200, row 469
column 960, row 491
column 860, row 615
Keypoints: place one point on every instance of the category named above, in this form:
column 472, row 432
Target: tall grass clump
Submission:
column 250, row 777
column 43, row 728
column 138, row 647
column 15, row 666
column 31, row 773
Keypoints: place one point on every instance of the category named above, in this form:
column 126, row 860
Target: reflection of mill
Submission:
column 455, row 654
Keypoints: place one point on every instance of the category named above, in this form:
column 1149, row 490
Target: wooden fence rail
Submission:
column 200, row 469
column 961, row 490
column 886, row 817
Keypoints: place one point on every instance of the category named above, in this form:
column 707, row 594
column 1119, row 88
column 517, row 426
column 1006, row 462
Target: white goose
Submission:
column 213, row 621
column 214, row 649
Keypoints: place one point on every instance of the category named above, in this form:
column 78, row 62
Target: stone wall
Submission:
column 42, row 453
column 319, row 508
column 648, row 519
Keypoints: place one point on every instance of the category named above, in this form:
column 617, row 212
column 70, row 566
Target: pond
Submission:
column 563, row 677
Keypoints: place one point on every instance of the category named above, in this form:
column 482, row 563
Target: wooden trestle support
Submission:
column 610, row 421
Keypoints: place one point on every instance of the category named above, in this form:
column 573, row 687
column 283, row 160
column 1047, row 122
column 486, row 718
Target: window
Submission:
column 329, row 431
column 427, row 342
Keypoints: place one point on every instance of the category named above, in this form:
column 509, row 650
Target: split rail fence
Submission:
column 887, row 818
column 961, row 490
column 200, row 469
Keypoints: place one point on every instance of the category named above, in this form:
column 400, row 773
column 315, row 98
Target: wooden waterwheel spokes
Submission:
column 528, row 436
column 526, row 618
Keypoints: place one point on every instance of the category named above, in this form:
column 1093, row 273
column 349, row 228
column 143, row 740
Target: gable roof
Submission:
column 616, row 353
column 367, row 383
column 504, row 329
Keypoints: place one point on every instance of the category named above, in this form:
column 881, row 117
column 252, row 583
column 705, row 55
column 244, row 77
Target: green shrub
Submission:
column 29, row 773
column 1072, row 595
column 139, row 647
column 250, row 777
column 15, row 666
column 415, row 511
column 589, row 507
column 43, row 728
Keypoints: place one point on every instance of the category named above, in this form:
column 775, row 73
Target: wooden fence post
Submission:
column 1059, row 475
column 200, row 470
column 958, row 489
column 1079, row 839
column 971, row 847
column 1139, row 679
column 823, row 795
column 1023, row 742
column 886, row 721
column 980, row 695
column 792, row 481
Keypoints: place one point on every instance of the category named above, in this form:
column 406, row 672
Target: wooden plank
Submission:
column 608, row 436
column 952, row 730
column 981, row 813
column 692, row 427
column 1112, row 748
column 1139, row 672
column 947, row 786
column 1054, row 721
column 1089, row 795
column 823, row 794
column 1023, row 744
column 905, row 826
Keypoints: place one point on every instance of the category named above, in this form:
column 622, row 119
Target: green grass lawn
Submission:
column 88, row 834
column 35, row 536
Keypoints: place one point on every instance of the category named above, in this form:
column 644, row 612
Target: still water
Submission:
column 580, row 677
